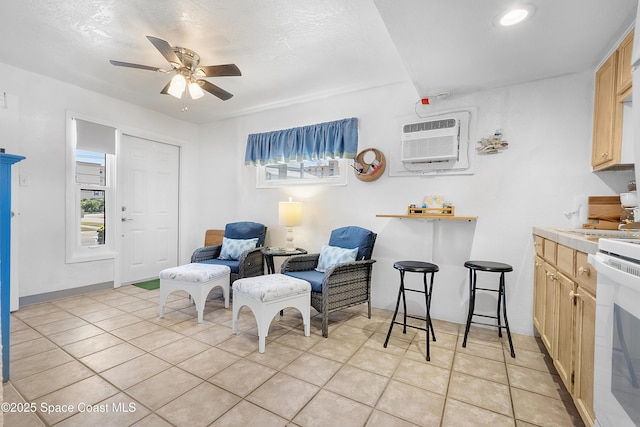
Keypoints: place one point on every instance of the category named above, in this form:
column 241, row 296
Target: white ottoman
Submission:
column 266, row 296
column 198, row 280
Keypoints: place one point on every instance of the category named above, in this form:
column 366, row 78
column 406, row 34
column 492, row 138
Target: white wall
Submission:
column 33, row 125
column 548, row 126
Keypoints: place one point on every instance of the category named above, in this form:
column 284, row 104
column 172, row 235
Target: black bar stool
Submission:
column 490, row 267
column 414, row 267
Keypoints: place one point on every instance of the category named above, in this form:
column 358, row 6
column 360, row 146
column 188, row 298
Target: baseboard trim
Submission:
column 65, row 293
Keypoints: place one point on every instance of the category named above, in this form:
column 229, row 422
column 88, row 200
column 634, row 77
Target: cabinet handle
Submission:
column 584, row 271
column 573, row 295
column 604, row 155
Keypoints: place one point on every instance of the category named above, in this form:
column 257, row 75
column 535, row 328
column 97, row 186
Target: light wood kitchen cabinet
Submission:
column 545, row 297
column 538, row 293
column 550, row 250
column 612, row 85
column 563, row 360
column 564, row 316
column 538, row 245
column 547, row 334
column 624, row 63
column 604, row 114
column 585, row 273
column 585, row 345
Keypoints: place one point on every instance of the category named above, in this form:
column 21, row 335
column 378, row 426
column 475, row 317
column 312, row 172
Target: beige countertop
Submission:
column 581, row 239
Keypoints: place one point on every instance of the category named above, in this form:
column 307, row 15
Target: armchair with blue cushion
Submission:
column 340, row 275
column 240, row 250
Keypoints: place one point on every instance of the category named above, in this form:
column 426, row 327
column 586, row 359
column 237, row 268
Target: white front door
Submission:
column 148, row 184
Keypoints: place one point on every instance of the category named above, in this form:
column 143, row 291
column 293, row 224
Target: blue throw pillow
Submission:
column 233, row 248
column 333, row 255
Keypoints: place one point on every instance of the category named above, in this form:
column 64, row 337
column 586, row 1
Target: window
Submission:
column 318, row 172
column 91, row 152
column 91, row 170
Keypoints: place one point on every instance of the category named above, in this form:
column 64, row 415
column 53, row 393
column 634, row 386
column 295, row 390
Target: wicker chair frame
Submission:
column 343, row 285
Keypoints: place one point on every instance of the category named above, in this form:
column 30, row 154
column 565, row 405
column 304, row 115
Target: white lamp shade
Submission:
column 290, row 213
column 195, row 90
column 177, row 86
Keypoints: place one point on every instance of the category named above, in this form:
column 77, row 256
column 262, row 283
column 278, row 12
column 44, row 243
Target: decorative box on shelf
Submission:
column 418, row 211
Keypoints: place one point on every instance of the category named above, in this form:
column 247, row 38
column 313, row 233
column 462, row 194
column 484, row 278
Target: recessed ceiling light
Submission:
column 514, row 16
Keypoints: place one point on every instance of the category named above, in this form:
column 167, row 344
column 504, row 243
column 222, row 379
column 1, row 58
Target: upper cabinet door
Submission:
column 604, row 112
column 624, row 63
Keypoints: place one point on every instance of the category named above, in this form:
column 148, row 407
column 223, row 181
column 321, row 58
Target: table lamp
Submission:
column 290, row 215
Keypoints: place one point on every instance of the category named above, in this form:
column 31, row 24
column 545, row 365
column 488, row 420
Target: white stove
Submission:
column 617, row 355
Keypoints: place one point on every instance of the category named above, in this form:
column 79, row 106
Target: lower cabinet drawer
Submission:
column 566, row 260
column 550, row 249
column 585, row 273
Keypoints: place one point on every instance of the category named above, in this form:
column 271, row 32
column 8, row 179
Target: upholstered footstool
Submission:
column 198, row 280
column 266, row 296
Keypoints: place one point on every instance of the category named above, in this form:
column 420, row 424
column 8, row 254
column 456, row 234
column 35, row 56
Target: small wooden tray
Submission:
column 448, row 210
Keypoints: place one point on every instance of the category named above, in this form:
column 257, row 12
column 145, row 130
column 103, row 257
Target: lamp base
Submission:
column 289, row 246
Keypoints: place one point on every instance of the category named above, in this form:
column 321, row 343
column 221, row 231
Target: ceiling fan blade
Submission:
column 166, row 50
column 214, row 90
column 220, row 70
column 165, row 90
column 130, row 65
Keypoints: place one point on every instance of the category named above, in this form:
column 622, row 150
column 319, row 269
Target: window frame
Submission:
column 75, row 252
column 340, row 180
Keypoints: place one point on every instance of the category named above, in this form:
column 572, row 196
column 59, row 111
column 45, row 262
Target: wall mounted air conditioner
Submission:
column 431, row 141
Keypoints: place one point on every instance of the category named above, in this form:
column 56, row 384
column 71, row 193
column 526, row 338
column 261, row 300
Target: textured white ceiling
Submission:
column 454, row 46
column 291, row 50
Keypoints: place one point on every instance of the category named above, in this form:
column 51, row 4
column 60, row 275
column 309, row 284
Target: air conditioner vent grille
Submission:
column 439, row 148
column 431, row 141
column 436, row 124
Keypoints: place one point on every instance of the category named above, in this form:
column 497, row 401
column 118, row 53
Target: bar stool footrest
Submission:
column 488, row 324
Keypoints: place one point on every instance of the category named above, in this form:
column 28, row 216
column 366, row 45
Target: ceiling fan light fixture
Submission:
column 177, row 87
column 195, row 90
column 514, row 16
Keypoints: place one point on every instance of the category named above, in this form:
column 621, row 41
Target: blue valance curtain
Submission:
column 337, row 139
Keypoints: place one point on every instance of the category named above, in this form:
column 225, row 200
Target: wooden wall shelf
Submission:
column 428, row 216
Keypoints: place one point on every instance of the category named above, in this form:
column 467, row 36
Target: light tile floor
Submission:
column 106, row 358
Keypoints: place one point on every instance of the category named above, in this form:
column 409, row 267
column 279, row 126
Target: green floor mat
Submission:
column 149, row 284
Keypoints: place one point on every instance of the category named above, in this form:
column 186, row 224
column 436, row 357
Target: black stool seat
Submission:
column 414, row 267
column 495, row 267
column 488, row 267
